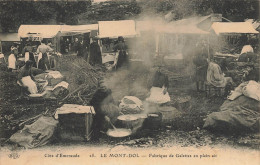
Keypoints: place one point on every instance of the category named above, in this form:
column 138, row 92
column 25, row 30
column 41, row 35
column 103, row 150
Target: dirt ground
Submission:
column 185, row 130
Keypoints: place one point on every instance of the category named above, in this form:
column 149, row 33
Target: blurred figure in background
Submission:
column 12, row 58
column 43, row 60
column 80, row 48
column 76, row 45
column 122, row 58
column 28, row 53
column 95, row 57
column 201, row 64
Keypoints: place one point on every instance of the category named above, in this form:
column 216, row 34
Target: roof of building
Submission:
column 233, row 27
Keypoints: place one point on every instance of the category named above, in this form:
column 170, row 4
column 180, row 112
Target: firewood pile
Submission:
column 83, row 79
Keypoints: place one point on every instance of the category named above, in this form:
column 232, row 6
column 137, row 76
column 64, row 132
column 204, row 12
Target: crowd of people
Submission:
column 43, row 57
column 207, row 70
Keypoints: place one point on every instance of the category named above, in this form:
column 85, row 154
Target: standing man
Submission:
column 28, row 53
column 95, row 57
column 43, row 60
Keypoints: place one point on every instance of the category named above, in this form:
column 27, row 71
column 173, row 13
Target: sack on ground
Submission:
column 131, row 105
column 28, row 82
column 37, row 134
column 236, row 116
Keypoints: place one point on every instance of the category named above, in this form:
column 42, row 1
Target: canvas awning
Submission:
column 67, row 29
column 182, row 29
column 184, row 26
column 9, row 37
column 45, row 31
column 113, row 29
column 233, row 27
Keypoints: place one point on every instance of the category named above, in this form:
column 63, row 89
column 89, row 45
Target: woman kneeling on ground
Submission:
column 26, row 79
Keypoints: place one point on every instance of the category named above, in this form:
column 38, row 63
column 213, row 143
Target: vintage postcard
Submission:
column 129, row 82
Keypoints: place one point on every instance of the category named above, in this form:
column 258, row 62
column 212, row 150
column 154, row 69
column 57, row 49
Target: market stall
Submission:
column 109, row 31
column 36, row 33
column 6, row 41
column 69, row 33
column 229, row 39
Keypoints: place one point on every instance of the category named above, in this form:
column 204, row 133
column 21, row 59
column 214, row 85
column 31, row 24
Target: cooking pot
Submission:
column 131, row 120
column 153, row 121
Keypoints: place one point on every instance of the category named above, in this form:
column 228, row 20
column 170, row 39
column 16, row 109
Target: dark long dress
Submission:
column 44, row 62
column 95, row 54
column 122, row 57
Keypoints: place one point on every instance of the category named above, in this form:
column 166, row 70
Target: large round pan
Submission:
column 119, row 132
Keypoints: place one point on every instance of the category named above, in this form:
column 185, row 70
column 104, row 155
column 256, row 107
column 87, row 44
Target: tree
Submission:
column 15, row 13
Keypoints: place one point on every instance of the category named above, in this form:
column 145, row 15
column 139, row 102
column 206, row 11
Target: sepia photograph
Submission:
column 120, row 82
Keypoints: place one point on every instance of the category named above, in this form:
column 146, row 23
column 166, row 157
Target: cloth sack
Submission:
column 28, row 82
column 131, row 104
column 37, row 134
column 241, row 114
column 250, row 89
column 246, row 49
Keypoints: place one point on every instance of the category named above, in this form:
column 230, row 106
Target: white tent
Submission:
column 113, row 29
column 233, row 27
column 78, row 28
column 45, row 31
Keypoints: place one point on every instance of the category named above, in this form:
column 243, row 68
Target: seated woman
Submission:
column 26, row 79
column 160, row 84
column 216, row 77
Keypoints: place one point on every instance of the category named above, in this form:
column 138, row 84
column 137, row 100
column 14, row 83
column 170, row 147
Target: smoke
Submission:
column 157, row 37
column 130, row 82
column 175, row 44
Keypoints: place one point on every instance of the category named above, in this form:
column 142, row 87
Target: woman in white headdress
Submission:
column 12, row 58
